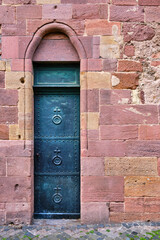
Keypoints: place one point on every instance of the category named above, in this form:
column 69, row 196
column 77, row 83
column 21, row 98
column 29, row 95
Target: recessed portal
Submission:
column 57, row 141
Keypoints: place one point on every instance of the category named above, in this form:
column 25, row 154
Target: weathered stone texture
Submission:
column 102, row 189
column 126, row 14
column 142, row 186
column 131, row 166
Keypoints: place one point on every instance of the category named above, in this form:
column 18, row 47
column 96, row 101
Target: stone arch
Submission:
column 56, row 27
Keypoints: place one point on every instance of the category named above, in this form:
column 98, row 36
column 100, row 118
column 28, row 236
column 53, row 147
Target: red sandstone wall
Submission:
column 120, row 131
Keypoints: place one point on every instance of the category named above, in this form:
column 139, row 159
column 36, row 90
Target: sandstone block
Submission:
column 132, row 114
column 83, row 1
column 131, row 166
column 94, row 213
column 93, row 134
column 15, row 80
column 93, row 120
column 15, row 148
column 102, row 189
column 137, row 32
column 61, row 11
column 8, row 115
column 9, row 47
column 106, row 148
column 19, row 166
column 149, row 2
column 2, row 78
column 3, row 167
column 109, row 97
column 94, row 65
column 142, row 186
column 48, row 1
column 92, row 11
column 33, row 24
column 2, row 218
column 149, row 132
column 97, row 80
column 129, row 66
column 132, row 217
column 110, row 65
column 2, row 65
column 142, row 204
column 114, row 132
column 124, row 2
column 158, row 166
column 7, row 14
column 152, row 14
column 129, row 50
column 155, row 63
column 126, row 13
column 93, row 100
column 125, row 80
column 102, row 27
column 18, row 189
column 14, row 132
column 143, row 148
column 18, row 217
column 18, row 29
column 55, row 50
column 116, row 207
column 29, row 11
column 92, row 166
column 4, row 132
column 8, row 97
column 17, row 2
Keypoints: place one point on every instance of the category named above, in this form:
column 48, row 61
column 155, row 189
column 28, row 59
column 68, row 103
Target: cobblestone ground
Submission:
column 72, row 229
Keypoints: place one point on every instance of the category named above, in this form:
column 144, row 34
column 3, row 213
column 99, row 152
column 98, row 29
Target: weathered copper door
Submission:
column 57, row 141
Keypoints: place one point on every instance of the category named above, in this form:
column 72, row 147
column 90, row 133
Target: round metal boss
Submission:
column 57, row 119
column 57, row 197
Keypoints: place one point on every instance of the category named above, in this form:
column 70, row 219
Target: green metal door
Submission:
column 57, row 141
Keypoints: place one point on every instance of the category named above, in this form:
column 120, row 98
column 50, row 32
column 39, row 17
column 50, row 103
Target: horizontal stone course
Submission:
column 142, row 186
column 61, row 11
column 125, row 80
column 8, row 115
column 4, row 132
column 112, row 97
column 124, row 2
column 126, row 13
column 101, row 27
column 91, row 11
column 15, row 148
column 18, row 189
column 131, row 166
column 149, row 2
column 102, row 189
column 149, row 132
column 114, row 132
column 152, row 14
column 8, row 97
column 92, row 166
column 129, row 66
column 132, row 114
column 137, row 32
column 106, row 148
column 142, row 204
column 94, row 212
column 28, row 11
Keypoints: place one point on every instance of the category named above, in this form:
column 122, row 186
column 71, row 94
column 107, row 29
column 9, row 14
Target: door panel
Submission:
column 57, row 154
